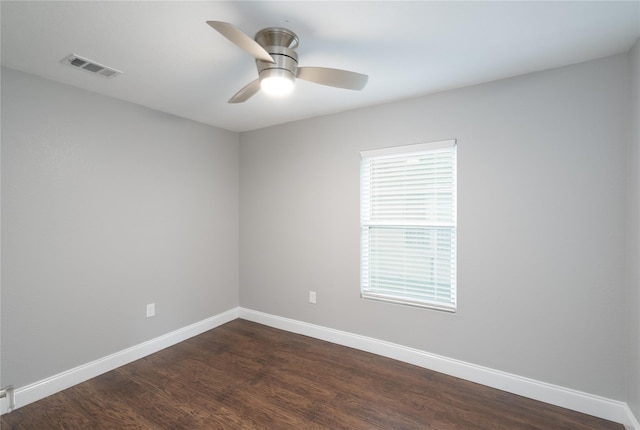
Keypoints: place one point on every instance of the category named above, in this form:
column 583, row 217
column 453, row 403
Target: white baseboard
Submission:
column 46, row 387
column 632, row 422
column 601, row 407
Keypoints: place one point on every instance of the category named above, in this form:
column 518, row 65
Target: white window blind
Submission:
column 408, row 224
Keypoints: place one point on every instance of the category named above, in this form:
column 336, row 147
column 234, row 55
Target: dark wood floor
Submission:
column 244, row 375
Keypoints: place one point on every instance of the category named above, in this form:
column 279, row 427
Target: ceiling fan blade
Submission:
column 333, row 77
column 235, row 35
column 245, row 93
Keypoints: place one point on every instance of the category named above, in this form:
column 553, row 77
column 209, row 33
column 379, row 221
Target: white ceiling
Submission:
column 174, row 62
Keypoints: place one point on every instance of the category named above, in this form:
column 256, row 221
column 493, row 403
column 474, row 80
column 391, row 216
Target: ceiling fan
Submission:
column 277, row 61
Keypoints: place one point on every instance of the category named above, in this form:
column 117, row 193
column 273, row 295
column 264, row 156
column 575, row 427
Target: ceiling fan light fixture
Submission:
column 277, row 63
column 276, row 82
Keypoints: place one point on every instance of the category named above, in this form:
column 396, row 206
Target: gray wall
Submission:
column 107, row 206
column 633, row 257
column 542, row 214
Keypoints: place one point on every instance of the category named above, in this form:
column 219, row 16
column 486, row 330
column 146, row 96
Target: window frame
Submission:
column 427, row 227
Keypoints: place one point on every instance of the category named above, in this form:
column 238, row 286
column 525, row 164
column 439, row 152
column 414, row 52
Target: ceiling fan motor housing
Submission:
column 280, row 44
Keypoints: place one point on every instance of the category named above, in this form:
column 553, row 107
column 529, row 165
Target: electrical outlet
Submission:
column 151, row 310
column 312, row 297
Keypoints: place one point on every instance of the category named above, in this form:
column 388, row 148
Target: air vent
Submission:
column 90, row 66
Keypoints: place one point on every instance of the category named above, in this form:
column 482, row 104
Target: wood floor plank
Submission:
column 246, row 376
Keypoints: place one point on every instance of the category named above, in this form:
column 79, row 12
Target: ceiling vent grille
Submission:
column 90, row 66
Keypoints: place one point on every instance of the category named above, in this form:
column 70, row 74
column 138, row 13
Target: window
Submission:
column 408, row 225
